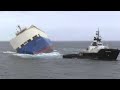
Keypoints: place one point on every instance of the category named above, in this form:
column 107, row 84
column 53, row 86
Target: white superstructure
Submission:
column 96, row 45
column 25, row 35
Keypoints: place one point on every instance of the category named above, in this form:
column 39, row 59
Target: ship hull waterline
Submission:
column 37, row 46
column 103, row 54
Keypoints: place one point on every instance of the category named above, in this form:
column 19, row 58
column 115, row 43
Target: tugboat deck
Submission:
column 96, row 51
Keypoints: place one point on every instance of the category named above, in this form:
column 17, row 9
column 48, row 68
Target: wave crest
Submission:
column 35, row 56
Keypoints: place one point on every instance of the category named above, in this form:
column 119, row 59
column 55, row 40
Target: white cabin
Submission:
column 96, row 45
column 26, row 35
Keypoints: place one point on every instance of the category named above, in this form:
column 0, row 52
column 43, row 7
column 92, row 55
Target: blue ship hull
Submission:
column 38, row 45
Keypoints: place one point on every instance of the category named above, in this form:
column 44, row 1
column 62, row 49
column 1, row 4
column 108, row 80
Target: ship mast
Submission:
column 19, row 27
column 97, row 36
column 98, row 32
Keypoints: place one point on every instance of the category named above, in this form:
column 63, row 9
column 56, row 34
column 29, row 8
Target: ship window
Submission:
column 38, row 35
column 22, row 45
column 25, row 43
column 29, row 40
column 35, row 37
column 94, row 44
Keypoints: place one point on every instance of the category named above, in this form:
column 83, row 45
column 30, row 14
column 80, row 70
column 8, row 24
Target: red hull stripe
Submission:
column 45, row 50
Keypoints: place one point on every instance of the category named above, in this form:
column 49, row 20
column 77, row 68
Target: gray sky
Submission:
column 63, row 25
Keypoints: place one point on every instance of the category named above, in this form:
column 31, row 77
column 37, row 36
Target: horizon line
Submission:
column 69, row 40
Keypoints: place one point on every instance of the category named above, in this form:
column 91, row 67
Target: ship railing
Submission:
column 36, row 28
column 21, row 31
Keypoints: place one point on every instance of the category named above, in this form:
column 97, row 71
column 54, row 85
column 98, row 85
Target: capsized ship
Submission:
column 31, row 40
column 96, row 51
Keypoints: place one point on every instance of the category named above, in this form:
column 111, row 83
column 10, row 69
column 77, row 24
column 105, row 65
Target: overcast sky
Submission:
column 63, row 25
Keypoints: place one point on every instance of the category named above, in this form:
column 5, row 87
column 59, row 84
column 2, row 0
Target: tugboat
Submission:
column 96, row 51
column 31, row 40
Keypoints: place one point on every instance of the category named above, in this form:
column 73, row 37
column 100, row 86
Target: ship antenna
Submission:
column 97, row 35
column 98, row 32
column 19, row 27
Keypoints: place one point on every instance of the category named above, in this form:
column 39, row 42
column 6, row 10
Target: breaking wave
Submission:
column 9, row 52
column 52, row 55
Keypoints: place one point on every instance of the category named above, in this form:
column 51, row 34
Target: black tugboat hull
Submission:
column 108, row 54
column 71, row 56
column 103, row 54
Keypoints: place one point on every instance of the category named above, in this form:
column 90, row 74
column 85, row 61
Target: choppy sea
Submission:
column 53, row 66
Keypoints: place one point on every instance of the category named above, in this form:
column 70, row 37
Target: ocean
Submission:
column 53, row 66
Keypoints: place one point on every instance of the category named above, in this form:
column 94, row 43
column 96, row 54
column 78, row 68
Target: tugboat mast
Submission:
column 96, row 51
column 97, row 36
column 98, row 32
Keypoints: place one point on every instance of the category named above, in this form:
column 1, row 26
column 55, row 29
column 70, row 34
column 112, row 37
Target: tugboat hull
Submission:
column 108, row 54
column 96, row 51
column 103, row 54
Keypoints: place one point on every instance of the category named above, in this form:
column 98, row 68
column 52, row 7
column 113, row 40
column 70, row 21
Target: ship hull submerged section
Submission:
column 37, row 45
column 31, row 40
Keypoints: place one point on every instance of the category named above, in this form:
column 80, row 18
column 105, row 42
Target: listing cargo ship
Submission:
column 96, row 51
column 31, row 40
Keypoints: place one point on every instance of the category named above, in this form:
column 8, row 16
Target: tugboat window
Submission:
column 94, row 44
